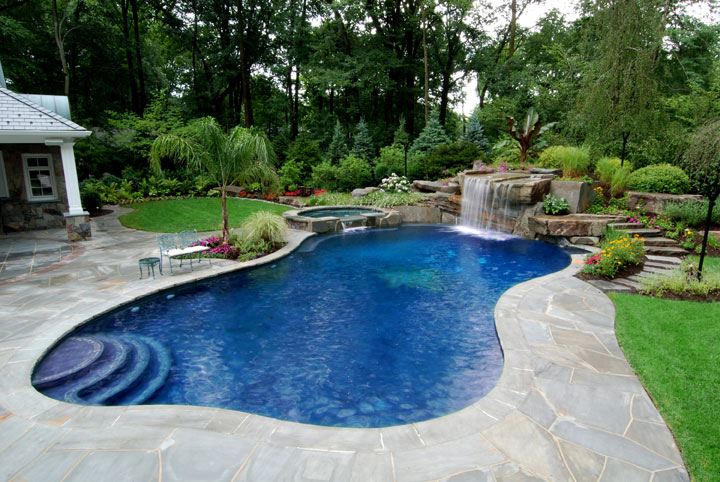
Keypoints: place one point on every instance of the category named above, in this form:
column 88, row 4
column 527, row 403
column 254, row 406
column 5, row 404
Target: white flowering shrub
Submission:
column 395, row 183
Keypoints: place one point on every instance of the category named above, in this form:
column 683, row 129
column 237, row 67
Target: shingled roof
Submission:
column 18, row 114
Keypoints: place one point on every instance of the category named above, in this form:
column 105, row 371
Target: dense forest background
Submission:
column 324, row 78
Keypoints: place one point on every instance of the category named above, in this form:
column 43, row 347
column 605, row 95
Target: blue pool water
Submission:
column 369, row 329
column 337, row 212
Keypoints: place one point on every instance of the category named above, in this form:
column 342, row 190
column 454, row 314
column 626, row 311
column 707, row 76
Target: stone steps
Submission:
column 623, row 226
column 660, row 242
column 666, row 250
column 643, row 232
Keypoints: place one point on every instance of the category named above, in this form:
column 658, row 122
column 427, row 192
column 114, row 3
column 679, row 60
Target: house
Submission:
column 39, row 186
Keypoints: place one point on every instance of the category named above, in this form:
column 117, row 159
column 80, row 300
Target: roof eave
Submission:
column 39, row 137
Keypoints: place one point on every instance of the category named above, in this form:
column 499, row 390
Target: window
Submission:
column 39, row 177
column 3, row 179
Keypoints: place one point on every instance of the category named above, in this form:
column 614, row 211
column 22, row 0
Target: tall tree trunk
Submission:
column 58, row 22
column 294, row 125
column 142, row 96
column 223, row 208
column 427, row 67
column 513, row 28
column 444, row 95
column 124, row 7
column 623, row 149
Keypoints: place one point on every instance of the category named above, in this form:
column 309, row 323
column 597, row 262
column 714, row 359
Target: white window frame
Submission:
column 4, row 193
column 27, row 169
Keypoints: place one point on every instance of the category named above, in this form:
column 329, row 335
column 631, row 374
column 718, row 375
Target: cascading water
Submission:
column 485, row 204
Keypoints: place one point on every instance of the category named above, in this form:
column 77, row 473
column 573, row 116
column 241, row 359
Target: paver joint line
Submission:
column 567, row 362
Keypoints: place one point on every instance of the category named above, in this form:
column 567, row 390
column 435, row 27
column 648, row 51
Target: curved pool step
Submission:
column 119, row 383
column 154, row 377
column 114, row 359
column 67, row 361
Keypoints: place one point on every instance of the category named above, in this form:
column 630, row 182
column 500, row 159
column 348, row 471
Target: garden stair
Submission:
column 655, row 243
column 111, row 369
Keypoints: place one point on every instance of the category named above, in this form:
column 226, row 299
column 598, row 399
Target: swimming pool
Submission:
column 369, row 329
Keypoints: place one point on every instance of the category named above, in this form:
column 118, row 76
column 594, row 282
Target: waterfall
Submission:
column 486, row 205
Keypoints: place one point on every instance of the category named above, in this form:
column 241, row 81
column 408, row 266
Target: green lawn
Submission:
column 674, row 346
column 201, row 214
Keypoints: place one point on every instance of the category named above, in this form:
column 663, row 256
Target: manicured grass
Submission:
column 674, row 348
column 201, row 214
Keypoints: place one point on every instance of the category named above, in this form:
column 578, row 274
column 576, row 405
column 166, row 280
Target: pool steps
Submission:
column 105, row 370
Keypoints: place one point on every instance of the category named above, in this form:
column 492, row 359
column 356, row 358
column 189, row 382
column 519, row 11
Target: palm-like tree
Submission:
column 238, row 157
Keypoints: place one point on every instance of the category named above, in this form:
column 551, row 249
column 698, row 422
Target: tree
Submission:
column 362, row 142
column 431, row 136
column 476, row 134
column 338, row 148
column 240, row 156
column 60, row 31
column 401, row 138
column 702, row 164
column 621, row 86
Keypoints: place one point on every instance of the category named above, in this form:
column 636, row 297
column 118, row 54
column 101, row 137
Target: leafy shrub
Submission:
column 574, row 161
column 662, row 178
column 291, row 175
column 263, row 227
column 395, row 183
column 392, row 159
column 306, row 153
column 325, row 176
column 618, row 251
column 352, row 173
column 448, row 159
column 332, row 199
column 555, row 205
column 619, row 181
column 90, row 199
column 605, row 168
column 506, row 151
column 692, row 213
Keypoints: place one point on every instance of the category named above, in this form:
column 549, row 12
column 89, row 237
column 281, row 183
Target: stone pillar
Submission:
column 77, row 220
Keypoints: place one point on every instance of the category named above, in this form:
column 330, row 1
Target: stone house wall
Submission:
column 18, row 214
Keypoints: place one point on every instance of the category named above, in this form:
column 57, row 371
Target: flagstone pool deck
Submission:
column 567, row 407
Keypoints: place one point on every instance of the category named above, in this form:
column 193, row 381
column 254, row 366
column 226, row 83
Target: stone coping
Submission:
column 566, row 407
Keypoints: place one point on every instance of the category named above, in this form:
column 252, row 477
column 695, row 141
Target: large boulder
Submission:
column 543, row 170
column 578, row 194
column 436, row 186
column 571, row 225
column 364, row 191
column 653, row 202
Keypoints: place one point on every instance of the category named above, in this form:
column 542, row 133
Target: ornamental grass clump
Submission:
column 682, row 282
column 264, row 227
column 618, row 251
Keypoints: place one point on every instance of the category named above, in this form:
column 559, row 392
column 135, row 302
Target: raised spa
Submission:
column 369, row 329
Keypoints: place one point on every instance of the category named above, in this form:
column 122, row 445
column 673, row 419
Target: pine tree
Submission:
column 476, row 134
column 338, row 148
column 431, row 136
column 401, row 137
column 362, row 142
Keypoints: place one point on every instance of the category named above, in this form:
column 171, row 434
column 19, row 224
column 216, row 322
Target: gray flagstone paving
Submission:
column 567, row 406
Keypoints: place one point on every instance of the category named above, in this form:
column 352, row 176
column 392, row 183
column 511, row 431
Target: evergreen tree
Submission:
column 431, row 136
column 476, row 134
column 338, row 147
column 362, row 142
column 401, row 137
